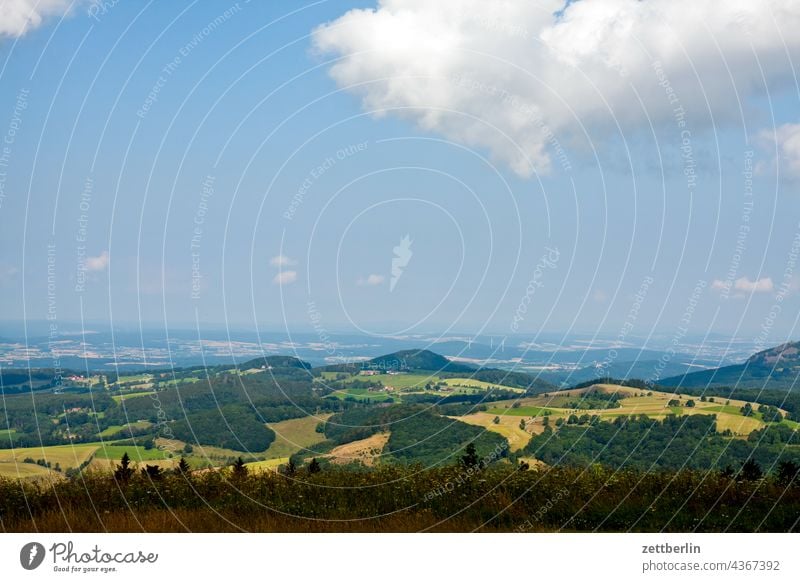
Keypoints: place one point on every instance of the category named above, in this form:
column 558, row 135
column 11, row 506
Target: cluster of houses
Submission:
column 381, row 389
column 374, row 372
column 378, row 372
column 79, row 380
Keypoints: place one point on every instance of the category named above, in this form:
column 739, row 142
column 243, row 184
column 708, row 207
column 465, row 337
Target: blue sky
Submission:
column 183, row 162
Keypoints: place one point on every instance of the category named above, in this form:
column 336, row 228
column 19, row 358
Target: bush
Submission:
column 399, row 498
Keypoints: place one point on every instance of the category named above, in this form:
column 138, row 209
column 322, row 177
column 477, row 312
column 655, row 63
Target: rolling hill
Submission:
column 405, row 361
column 275, row 362
column 411, row 361
column 773, row 369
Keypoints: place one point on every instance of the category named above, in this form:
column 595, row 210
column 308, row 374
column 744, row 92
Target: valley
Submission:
column 412, row 406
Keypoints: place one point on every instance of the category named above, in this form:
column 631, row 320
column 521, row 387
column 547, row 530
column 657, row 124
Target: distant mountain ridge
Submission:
column 775, row 368
column 405, row 361
column 619, row 370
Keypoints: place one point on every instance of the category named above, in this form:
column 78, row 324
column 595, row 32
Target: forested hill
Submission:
column 431, row 362
column 275, row 362
column 405, row 361
column 774, row 369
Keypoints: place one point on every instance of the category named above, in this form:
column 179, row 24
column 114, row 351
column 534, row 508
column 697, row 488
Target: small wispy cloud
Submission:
column 763, row 285
column 98, row 263
column 745, row 285
column 784, row 142
column 371, row 280
column 720, row 285
column 282, row 261
column 285, row 278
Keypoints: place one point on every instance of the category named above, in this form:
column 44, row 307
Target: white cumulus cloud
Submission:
column 285, row 278
column 98, row 263
column 743, row 285
column 525, row 79
column 784, row 143
column 371, row 280
column 763, row 285
column 720, row 285
column 282, row 261
column 20, row 16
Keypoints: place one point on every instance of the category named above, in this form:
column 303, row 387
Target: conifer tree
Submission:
column 124, row 472
column 183, row 467
column 239, row 469
column 470, row 459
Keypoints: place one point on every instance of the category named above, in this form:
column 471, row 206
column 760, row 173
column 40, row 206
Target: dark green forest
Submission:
column 677, row 442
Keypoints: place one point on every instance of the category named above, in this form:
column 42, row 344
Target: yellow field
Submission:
column 729, row 418
column 366, row 451
column 268, row 465
column 508, row 427
column 739, row 425
column 658, row 396
column 655, row 404
column 295, row 435
column 533, row 462
column 637, row 401
column 65, row 455
column 14, row 470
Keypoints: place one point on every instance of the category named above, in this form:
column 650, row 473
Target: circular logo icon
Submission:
column 31, row 555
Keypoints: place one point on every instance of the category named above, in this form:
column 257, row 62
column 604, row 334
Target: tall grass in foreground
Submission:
column 402, row 499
